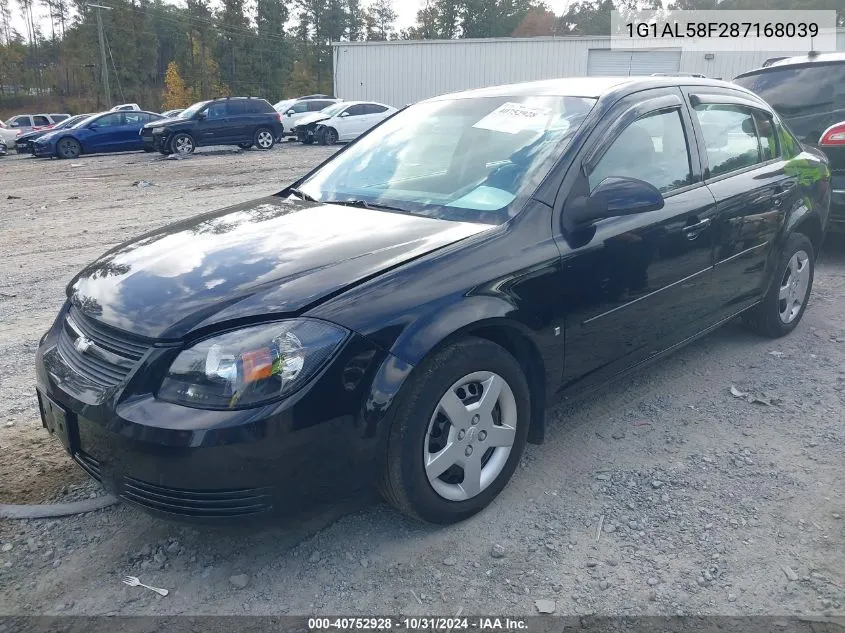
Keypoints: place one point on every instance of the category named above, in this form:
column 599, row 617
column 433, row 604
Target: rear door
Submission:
column 241, row 120
column 130, row 137
column 745, row 170
column 636, row 285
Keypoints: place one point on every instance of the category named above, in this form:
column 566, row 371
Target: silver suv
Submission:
column 28, row 122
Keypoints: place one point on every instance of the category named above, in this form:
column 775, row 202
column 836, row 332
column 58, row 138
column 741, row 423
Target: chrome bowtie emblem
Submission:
column 82, row 344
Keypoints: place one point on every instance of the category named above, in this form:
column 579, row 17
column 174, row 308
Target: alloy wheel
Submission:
column 264, row 139
column 183, row 144
column 470, row 436
column 68, row 148
column 794, row 287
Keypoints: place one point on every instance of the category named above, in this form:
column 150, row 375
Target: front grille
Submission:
column 105, row 356
column 88, row 464
column 197, row 503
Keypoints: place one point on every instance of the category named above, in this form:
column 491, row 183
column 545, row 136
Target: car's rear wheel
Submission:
column 182, row 144
column 786, row 300
column 458, row 433
column 329, row 136
column 264, row 138
column 68, row 148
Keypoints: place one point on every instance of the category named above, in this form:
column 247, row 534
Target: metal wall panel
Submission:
column 603, row 62
column 402, row 72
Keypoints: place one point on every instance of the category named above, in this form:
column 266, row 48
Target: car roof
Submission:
column 589, row 87
column 798, row 61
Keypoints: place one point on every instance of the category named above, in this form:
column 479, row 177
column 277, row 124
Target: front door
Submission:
column 214, row 129
column 104, row 133
column 636, row 285
column 744, row 168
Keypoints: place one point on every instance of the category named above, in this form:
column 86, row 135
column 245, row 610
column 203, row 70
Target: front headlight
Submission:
column 251, row 366
column 158, row 130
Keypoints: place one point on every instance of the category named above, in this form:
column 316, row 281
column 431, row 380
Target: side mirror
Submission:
column 202, row 115
column 612, row 198
column 291, row 112
column 93, row 126
column 344, row 115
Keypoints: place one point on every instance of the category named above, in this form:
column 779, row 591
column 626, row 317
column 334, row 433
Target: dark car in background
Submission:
column 405, row 312
column 25, row 143
column 105, row 132
column 241, row 121
column 809, row 93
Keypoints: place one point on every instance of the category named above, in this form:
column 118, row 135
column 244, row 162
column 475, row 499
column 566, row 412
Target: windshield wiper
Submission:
column 363, row 204
column 302, row 195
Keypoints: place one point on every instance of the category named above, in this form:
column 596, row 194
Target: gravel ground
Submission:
column 665, row 494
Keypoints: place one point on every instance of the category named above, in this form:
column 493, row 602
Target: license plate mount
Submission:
column 59, row 421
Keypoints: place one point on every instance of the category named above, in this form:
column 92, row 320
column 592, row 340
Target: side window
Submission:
column 375, row 109
column 730, row 137
column 356, row 110
column 57, row 118
column 653, row 148
column 766, row 132
column 300, row 106
column 789, row 145
column 237, row 107
column 315, row 105
column 20, row 121
column 40, row 119
column 114, row 119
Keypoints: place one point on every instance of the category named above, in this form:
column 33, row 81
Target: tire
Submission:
column 328, row 136
column 306, row 139
column 421, row 429
column 786, row 300
column 183, row 144
column 68, row 148
column 264, row 138
column 244, row 145
column 164, row 152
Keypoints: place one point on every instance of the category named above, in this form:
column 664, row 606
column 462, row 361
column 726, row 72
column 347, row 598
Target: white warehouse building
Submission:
column 404, row 71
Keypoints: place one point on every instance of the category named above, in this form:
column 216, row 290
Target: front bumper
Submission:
column 201, row 465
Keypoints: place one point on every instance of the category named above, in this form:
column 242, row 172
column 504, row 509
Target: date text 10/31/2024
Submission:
column 420, row 623
column 722, row 29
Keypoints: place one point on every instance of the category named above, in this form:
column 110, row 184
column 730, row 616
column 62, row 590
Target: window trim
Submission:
column 738, row 103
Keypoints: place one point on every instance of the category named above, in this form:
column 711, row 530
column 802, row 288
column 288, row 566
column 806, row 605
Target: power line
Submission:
column 116, row 74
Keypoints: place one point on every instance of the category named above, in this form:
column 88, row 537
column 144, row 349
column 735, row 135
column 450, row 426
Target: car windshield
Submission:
column 68, row 123
column 461, row 159
column 282, row 106
column 190, row 111
column 334, row 108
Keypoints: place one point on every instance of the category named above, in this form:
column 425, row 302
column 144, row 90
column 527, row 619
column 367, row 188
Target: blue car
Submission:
column 105, row 132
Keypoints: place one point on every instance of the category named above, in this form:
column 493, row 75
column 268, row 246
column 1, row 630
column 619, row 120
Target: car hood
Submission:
column 273, row 256
column 48, row 136
column 312, row 118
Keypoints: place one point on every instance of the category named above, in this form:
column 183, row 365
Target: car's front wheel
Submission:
column 264, row 138
column 68, row 148
column 458, row 432
column 328, row 136
column 182, row 144
column 786, row 300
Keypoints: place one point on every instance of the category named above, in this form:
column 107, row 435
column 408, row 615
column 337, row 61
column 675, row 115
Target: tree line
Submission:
column 160, row 54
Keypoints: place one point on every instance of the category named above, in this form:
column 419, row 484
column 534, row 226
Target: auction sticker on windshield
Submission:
column 514, row 118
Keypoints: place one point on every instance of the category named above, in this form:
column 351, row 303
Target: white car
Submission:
column 342, row 122
column 126, row 106
column 24, row 123
column 8, row 135
column 300, row 109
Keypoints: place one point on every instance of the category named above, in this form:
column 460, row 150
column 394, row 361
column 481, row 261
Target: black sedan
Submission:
column 405, row 313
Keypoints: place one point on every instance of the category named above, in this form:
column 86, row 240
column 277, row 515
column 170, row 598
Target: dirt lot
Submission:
column 663, row 495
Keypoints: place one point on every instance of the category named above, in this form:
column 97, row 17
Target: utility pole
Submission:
column 103, row 64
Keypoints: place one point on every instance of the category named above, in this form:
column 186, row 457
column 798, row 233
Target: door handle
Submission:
column 694, row 230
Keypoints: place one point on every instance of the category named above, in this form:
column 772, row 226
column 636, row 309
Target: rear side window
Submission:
column 40, row 120
column 59, row 117
column 372, row 108
column 238, row 106
column 653, row 148
column 300, row 107
column 730, row 137
column 317, row 104
column 356, row 110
